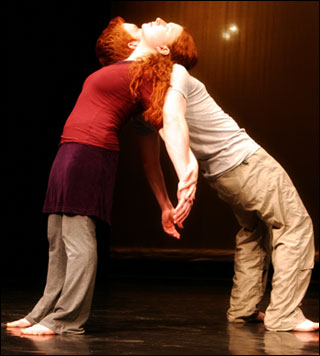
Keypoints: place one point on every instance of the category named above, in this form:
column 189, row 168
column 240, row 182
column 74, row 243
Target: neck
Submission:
column 141, row 52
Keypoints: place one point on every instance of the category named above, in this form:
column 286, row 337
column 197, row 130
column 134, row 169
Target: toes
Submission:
column 306, row 326
column 21, row 323
column 37, row 329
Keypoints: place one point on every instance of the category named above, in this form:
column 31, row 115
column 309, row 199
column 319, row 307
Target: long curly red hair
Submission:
column 155, row 68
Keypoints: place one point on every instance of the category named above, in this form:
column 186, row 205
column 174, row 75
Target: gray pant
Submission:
column 274, row 224
column 66, row 301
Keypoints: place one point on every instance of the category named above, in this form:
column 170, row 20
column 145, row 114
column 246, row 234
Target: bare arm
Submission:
column 150, row 153
column 175, row 134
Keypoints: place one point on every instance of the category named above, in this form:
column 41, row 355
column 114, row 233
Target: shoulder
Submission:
column 180, row 77
column 179, row 71
column 180, row 80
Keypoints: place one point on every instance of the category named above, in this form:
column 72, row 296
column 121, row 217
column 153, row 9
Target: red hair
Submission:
column 157, row 69
column 112, row 44
column 183, row 50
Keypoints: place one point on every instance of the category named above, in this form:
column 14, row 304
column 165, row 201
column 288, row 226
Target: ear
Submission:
column 163, row 50
column 133, row 44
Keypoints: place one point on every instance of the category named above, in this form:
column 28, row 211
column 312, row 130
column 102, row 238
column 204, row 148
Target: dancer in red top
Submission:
column 82, row 176
column 104, row 105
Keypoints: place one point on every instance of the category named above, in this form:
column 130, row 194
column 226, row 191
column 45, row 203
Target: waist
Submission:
column 215, row 166
column 108, row 140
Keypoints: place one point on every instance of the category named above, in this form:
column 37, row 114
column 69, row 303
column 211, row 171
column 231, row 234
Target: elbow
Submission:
column 170, row 117
column 175, row 123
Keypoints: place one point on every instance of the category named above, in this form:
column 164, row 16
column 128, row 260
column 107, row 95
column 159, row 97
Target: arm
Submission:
column 175, row 133
column 186, row 191
column 150, row 153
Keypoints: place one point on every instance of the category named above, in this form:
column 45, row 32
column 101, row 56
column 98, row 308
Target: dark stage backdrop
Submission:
column 265, row 76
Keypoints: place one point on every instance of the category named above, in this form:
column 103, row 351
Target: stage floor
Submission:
column 162, row 313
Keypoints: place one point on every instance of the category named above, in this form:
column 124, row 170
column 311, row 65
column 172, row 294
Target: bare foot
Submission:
column 307, row 325
column 14, row 331
column 260, row 317
column 37, row 329
column 21, row 323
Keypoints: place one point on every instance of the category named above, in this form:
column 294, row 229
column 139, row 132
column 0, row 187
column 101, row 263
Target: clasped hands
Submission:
column 186, row 192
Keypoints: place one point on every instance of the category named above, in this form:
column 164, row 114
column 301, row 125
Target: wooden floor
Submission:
column 156, row 308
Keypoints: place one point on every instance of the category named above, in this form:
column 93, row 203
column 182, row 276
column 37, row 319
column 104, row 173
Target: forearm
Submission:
column 157, row 183
column 150, row 154
column 177, row 145
column 189, row 182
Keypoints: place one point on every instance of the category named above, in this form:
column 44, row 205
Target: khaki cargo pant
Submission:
column 66, row 301
column 276, row 225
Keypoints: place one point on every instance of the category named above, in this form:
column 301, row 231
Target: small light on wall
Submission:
column 226, row 35
column 232, row 30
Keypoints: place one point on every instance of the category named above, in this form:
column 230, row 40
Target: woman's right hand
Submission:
column 168, row 223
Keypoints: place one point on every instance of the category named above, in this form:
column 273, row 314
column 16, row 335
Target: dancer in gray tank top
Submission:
column 275, row 225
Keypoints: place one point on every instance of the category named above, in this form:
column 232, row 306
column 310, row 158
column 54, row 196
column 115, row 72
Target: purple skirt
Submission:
column 81, row 181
